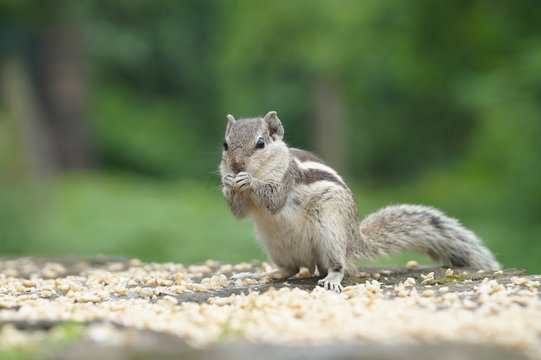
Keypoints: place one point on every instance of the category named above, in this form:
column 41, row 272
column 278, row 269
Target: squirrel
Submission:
column 305, row 214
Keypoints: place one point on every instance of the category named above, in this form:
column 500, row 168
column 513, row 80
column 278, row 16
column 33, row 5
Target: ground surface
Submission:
column 120, row 308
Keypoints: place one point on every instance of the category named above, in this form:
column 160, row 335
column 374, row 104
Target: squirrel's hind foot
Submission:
column 330, row 285
column 332, row 281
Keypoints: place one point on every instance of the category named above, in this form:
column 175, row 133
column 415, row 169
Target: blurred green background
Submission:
column 112, row 116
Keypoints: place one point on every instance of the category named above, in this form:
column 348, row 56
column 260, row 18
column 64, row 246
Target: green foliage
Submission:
column 141, row 135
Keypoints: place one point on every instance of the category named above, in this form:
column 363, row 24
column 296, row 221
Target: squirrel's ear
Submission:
column 230, row 122
column 276, row 130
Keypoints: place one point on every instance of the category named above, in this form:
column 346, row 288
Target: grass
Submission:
column 154, row 221
column 37, row 344
column 187, row 222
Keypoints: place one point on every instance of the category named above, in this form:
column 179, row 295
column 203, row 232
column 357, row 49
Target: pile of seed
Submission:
column 146, row 296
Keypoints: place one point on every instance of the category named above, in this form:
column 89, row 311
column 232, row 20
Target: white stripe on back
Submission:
column 308, row 165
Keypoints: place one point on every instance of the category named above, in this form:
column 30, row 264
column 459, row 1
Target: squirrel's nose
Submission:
column 237, row 166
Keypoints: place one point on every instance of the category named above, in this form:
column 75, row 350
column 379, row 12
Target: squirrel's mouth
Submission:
column 237, row 167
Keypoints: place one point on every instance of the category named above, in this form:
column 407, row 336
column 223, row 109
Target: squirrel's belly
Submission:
column 288, row 237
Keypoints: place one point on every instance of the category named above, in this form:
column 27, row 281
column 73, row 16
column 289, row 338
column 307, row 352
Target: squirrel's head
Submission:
column 250, row 142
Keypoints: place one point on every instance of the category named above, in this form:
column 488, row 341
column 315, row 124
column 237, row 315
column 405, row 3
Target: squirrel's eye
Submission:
column 260, row 144
column 225, row 145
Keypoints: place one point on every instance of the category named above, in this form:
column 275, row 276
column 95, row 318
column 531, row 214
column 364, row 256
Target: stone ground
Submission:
column 117, row 308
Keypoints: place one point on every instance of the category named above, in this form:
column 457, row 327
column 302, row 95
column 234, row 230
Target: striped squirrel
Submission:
column 305, row 215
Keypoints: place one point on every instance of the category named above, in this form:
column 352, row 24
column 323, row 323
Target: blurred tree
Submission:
column 376, row 52
column 62, row 81
column 441, row 96
column 374, row 86
column 25, row 161
column 330, row 122
column 158, row 104
column 46, row 40
column 30, row 155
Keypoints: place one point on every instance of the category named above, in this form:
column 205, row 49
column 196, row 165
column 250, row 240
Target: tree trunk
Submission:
column 29, row 139
column 330, row 125
column 62, row 84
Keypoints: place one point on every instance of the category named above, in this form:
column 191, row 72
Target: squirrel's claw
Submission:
column 330, row 285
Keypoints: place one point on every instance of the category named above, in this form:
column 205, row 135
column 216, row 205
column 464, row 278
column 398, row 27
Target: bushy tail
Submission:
column 423, row 229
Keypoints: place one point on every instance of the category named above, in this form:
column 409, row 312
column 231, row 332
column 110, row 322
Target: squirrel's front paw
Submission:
column 229, row 180
column 243, row 180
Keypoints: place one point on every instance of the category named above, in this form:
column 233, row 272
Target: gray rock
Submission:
column 160, row 346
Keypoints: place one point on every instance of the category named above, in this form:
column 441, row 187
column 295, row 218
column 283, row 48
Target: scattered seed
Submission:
column 412, row 264
column 449, row 272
